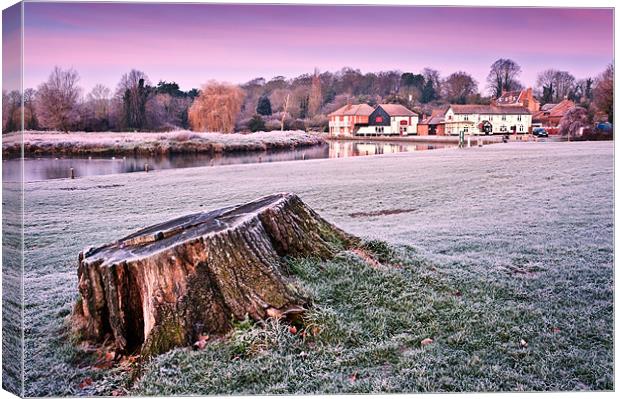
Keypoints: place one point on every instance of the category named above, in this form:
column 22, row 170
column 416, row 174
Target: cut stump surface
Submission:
column 167, row 284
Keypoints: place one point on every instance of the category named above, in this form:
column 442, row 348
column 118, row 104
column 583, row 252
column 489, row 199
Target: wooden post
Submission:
column 146, row 167
column 72, row 173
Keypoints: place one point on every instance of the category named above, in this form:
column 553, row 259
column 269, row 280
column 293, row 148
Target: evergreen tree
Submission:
column 428, row 92
column 256, row 124
column 547, row 96
column 264, row 106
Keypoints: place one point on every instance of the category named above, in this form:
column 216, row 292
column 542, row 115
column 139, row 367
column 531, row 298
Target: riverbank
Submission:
column 127, row 143
column 475, row 140
column 509, row 271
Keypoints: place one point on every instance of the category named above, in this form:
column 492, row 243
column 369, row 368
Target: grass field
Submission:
column 502, row 255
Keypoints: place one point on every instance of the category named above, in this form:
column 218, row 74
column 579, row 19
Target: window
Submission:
column 519, row 117
column 465, row 129
column 449, row 117
column 379, row 119
column 503, row 117
column 378, row 129
column 520, row 128
column 466, row 117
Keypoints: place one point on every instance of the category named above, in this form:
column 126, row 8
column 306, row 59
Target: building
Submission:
column 523, row 98
column 487, row 119
column 551, row 114
column 390, row 119
column 434, row 125
column 346, row 120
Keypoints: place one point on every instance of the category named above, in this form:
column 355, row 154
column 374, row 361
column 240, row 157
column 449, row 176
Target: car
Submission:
column 540, row 132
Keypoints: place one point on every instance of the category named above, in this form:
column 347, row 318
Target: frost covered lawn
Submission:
column 81, row 143
column 503, row 255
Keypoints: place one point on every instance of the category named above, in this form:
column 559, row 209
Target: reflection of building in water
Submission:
column 393, row 148
column 368, row 149
column 341, row 149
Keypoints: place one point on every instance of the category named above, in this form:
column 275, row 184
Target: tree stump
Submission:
column 165, row 285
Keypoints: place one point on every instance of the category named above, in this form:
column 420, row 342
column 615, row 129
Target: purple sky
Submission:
column 193, row 43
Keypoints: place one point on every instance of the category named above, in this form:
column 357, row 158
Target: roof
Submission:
column 488, row 109
column 554, row 110
column 433, row 120
column 547, row 107
column 397, row 110
column 353, row 109
column 510, row 97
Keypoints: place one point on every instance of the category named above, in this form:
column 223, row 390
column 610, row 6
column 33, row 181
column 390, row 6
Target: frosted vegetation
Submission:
column 38, row 142
column 502, row 255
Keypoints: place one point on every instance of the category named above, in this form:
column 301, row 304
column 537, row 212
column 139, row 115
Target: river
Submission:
column 50, row 167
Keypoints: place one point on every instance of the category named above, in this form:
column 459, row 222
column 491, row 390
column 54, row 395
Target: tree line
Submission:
column 302, row 102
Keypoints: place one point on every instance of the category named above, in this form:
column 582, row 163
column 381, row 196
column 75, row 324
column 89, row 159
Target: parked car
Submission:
column 540, row 132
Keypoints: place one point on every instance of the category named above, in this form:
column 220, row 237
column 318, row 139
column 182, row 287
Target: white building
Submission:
column 487, row 119
column 390, row 119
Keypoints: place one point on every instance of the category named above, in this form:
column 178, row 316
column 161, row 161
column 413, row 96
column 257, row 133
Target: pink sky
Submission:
column 193, row 43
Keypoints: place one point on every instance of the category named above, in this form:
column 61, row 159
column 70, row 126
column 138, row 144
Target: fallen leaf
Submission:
column 292, row 330
column 523, row 343
column 315, row 330
column 457, row 293
column 303, row 354
column 426, row 341
column 200, row 344
column 86, row 382
column 118, row 392
column 203, row 338
column 353, row 377
column 555, row 330
column 274, row 313
column 110, row 356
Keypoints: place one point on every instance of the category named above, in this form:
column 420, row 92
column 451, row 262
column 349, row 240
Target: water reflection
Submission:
column 45, row 168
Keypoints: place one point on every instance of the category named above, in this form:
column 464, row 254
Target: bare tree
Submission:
column 11, row 103
column 217, row 107
column 573, row 121
column 278, row 98
column 458, row 87
column 545, row 84
column 284, row 112
column 99, row 102
column 316, row 97
column 30, row 113
column 564, row 84
column 503, row 76
column 555, row 85
column 604, row 93
column 57, row 100
column 132, row 93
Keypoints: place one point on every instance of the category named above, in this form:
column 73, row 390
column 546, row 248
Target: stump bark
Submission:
column 165, row 285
